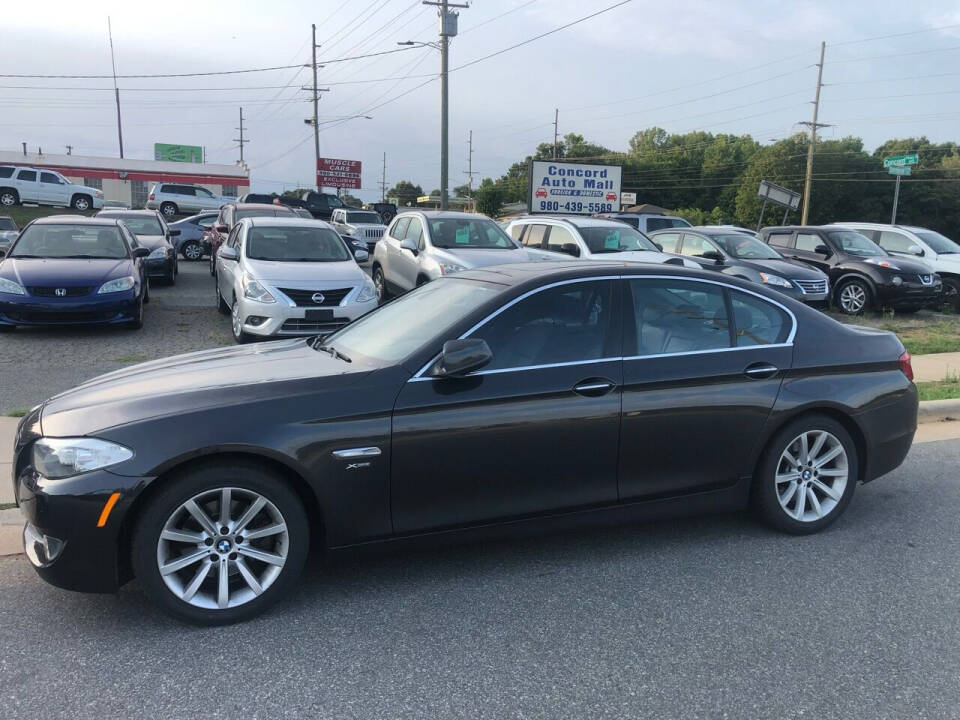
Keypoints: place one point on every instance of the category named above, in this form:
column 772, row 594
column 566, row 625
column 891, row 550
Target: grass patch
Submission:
column 946, row 389
column 22, row 215
column 18, row 413
column 131, row 359
column 921, row 334
column 7, row 506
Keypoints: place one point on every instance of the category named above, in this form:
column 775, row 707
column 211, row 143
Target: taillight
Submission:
column 151, row 196
column 905, row 367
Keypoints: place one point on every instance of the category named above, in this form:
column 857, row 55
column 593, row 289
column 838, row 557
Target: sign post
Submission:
column 899, row 165
column 574, row 188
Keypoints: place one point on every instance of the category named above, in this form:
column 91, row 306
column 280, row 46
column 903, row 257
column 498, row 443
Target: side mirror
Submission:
column 713, row 255
column 228, row 253
column 915, row 250
column 221, row 228
column 361, row 255
column 175, row 233
column 409, row 244
column 821, row 250
column 570, row 249
column 659, row 246
column 140, row 252
column 460, row 357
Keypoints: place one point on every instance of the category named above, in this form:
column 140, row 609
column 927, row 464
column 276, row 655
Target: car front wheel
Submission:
column 380, row 283
column 220, row 543
column 807, row 475
column 854, row 297
column 168, row 209
column 191, row 251
column 236, row 324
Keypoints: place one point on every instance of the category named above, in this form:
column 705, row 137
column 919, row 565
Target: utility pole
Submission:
column 69, row 149
column 116, row 91
column 469, row 172
column 383, row 180
column 448, row 29
column 556, row 134
column 240, row 139
column 316, row 98
column 813, row 138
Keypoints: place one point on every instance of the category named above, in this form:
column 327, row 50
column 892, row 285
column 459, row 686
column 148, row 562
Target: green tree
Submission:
column 405, row 192
column 489, row 197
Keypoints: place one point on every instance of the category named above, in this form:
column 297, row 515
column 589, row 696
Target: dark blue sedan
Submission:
column 67, row 270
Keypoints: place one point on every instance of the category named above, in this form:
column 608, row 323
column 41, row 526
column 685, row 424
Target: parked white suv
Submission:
column 589, row 239
column 422, row 245
column 366, row 226
column 938, row 251
column 178, row 199
column 45, row 187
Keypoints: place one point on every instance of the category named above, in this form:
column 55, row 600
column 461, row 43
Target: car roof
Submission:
column 880, row 226
column 121, row 213
column 575, row 220
column 75, row 220
column 260, row 206
column 293, row 220
column 443, row 214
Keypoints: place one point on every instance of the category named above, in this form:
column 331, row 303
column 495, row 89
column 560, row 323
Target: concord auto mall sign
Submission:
column 338, row 173
column 576, row 188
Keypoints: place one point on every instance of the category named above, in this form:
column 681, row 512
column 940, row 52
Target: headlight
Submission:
column 63, row 457
column 450, row 268
column 896, row 280
column 11, row 288
column 159, row 254
column 99, row 193
column 768, row 279
column 117, row 285
column 368, row 292
column 253, row 290
column 882, row 263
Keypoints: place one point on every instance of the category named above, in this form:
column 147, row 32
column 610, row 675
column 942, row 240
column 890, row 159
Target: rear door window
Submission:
column 535, row 236
column 27, row 175
column 757, row 322
column 678, row 316
column 780, row 239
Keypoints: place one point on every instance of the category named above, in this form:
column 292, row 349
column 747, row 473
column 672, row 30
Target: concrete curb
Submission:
column 938, row 410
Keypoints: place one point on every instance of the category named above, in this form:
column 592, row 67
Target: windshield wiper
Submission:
column 330, row 349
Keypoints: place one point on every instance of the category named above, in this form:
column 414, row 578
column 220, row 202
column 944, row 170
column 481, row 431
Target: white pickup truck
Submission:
column 45, row 187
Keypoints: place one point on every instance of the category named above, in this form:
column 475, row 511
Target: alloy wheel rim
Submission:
column 192, row 251
column 235, row 319
column 379, row 283
column 82, row 204
column 853, row 297
column 7, row 199
column 222, row 548
column 812, row 475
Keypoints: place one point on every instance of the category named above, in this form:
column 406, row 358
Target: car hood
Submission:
column 366, row 226
column 207, row 378
column 75, row 272
column 480, row 257
column 312, row 274
column 783, row 268
column 647, row 256
column 901, row 264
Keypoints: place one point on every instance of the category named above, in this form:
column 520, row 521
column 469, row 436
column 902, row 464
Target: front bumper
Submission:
column 160, row 267
column 98, row 203
column 62, row 538
column 36, row 311
column 810, row 298
column 279, row 319
column 910, row 294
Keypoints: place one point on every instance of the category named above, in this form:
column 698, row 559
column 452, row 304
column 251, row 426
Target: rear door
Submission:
column 28, row 186
column 702, row 368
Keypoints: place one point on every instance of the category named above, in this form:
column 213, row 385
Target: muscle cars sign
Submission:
column 577, row 188
column 338, row 173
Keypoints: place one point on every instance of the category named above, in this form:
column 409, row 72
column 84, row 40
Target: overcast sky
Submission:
column 681, row 65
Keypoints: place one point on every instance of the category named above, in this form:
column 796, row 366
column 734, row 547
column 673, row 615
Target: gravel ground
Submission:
column 38, row 363
column 706, row 618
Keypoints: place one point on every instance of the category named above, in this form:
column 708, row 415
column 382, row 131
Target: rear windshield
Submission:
column 70, row 241
column 271, row 212
column 140, row 224
column 459, row 233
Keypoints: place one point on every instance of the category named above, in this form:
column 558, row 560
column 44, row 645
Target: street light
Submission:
column 309, row 121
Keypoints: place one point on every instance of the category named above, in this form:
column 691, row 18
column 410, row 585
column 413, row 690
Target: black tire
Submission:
column 9, row 197
column 169, row 209
column 383, row 294
column 146, row 294
column 765, row 497
column 951, row 294
column 191, row 251
column 213, row 265
column 211, row 477
column 81, row 203
column 137, row 322
column 222, row 306
column 171, row 277
column 855, row 286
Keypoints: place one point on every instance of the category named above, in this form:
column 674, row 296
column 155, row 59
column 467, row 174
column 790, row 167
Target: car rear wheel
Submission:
column 221, row 543
column 169, row 209
column 9, row 198
column 807, row 475
column 854, row 297
column 380, row 283
column 191, row 251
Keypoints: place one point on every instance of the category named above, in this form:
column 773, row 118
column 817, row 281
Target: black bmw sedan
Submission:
column 532, row 395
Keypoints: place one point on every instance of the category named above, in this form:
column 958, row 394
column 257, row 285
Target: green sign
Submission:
column 178, row 153
column 901, row 160
column 899, row 169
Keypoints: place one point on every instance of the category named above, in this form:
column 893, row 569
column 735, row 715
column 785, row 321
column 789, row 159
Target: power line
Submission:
column 894, row 55
column 895, row 35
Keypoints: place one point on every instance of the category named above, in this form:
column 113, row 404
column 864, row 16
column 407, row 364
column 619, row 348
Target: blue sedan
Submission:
column 190, row 241
column 68, row 270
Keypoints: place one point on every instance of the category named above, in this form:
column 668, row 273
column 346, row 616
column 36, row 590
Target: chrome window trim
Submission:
column 786, row 343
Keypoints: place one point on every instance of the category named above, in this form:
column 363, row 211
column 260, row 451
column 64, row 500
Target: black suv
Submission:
column 863, row 275
column 321, row 205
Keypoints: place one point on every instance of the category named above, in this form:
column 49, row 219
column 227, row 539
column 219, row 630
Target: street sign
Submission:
column 901, row 160
column 338, row 173
column 779, row 195
column 628, row 198
column 899, row 170
column 178, row 153
column 570, row 187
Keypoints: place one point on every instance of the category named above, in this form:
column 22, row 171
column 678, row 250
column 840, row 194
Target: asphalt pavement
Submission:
column 708, row 617
column 36, row 363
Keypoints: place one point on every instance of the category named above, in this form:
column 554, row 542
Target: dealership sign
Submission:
column 177, row 153
column 338, row 173
column 567, row 187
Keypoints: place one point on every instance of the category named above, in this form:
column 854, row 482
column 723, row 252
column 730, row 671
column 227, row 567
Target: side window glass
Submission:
column 658, row 224
column 896, row 242
column 400, row 228
column 232, row 238
column 808, row 242
column 535, row 235
column 46, row 177
column 516, row 232
column 202, row 192
column 780, row 239
column 678, row 316
column 558, row 237
column 669, row 241
column 567, row 323
column 757, row 322
column 695, row 246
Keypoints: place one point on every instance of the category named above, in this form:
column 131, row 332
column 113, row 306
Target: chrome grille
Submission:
column 65, row 291
column 373, row 233
column 811, row 287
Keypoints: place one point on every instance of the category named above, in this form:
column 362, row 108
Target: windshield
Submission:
column 369, row 218
column 856, row 244
column 7, row 224
column 458, row 233
column 744, row 247
column 70, row 241
column 607, row 239
column 296, row 244
column 140, row 224
column 401, row 327
column 279, row 211
column 940, row 244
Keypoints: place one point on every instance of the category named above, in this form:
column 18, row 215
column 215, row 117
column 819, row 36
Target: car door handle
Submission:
column 594, row 387
column 761, row 371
